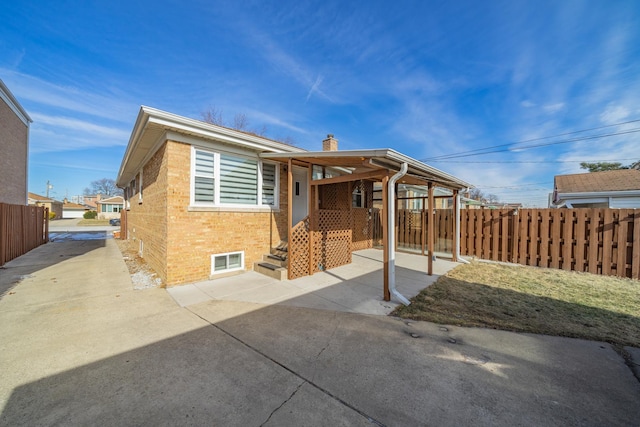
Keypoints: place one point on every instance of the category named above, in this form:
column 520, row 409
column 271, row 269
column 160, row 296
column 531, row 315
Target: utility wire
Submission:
column 536, row 161
column 535, row 139
column 585, row 138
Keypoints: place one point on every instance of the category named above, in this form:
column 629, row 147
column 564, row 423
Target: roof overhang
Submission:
column 153, row 127
column 12, row 102
column 384, row 159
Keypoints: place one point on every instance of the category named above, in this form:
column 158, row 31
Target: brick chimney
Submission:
column 330, row 144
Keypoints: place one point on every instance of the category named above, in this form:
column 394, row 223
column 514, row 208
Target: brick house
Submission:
column 14, row 141
column 203, row 201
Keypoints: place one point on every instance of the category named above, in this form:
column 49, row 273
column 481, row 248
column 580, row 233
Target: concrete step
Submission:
column 271, row 270
column 276, row 260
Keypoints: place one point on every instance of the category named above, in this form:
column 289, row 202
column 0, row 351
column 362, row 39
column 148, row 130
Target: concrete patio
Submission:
column 355, row 287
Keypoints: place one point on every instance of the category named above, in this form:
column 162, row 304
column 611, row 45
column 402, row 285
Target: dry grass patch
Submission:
column 530, row 299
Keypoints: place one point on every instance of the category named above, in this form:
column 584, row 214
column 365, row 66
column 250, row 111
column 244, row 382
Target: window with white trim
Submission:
column 224, row 263
column 269, row 183
column 204, row 177
column 221, row 179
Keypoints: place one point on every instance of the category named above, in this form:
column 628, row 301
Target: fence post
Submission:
column 46, row 225
column 635, row 248
column 515, row 227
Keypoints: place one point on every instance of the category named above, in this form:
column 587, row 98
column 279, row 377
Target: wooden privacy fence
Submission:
column 601, row 241
column 22, row 228
column 412, row 226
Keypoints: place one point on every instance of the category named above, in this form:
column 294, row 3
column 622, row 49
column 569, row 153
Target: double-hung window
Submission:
column 221, row 179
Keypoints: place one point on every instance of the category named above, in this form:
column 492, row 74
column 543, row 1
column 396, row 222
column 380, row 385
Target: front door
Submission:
column 300, row 208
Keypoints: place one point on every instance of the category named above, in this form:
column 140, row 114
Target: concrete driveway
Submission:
column 79, row 346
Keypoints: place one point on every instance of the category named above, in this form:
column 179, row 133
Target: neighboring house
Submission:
column 91, row 200
column 14, row 146
column 203, row 201
column 73, row 210
column 607, row 189
column 110, row 208
column 54, row 206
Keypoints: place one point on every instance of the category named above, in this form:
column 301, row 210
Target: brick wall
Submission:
column 178, row 243
column 13, row 162
column 194, row 236
column 147, row 221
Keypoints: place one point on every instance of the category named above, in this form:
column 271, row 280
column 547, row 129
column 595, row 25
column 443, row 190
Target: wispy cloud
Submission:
column 120, row 136
column 286, row 63
column 44, row 93
column 314, row 87
column 275, row 120
column 614, row 113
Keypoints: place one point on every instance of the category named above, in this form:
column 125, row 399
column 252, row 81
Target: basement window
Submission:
column 223, row 263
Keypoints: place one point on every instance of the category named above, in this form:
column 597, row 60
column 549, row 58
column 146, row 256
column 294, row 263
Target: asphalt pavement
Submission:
column 80, row 346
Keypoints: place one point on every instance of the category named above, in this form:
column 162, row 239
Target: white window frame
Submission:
column 140, row 188
column 216, row 182
column 226, row 270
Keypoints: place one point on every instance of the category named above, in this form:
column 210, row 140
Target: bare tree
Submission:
column 479, row 195
column 240, row 122
column 213, row 115
column 476, row 194
column 105, row 186
column 491, row 198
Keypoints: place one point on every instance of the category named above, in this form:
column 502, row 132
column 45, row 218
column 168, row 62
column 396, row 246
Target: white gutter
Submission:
column 598, row 194
column 458, row 256
column 391, row 239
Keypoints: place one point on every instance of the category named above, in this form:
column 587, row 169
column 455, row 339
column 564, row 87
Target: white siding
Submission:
column 625, row 202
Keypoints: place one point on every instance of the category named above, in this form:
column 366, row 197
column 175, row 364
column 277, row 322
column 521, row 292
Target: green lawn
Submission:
column 530, row 299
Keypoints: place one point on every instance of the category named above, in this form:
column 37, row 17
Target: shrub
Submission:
column 52, row 215
column 90, row 215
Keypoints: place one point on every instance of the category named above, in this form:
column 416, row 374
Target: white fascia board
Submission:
column 402, row 158
column 211, row 131
column 150, row 117
column 12, row 102
column 134, row 139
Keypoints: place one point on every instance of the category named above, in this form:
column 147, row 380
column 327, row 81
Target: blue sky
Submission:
column 427, row 78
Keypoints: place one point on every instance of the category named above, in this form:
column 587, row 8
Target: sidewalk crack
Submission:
column 297, row 374
column 283, row 403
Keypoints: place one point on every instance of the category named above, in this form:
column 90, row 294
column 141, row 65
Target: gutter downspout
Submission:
column 391, row 215
column 458, row 256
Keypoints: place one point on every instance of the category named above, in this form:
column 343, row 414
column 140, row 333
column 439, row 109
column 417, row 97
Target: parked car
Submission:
column 114, row 221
